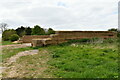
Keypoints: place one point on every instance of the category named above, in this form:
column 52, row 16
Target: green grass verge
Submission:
column 6, row 43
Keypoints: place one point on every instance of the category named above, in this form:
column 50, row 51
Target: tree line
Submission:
column 14, row 34
column 37, row 30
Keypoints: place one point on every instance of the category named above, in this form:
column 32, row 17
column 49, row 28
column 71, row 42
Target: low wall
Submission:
column 28, row 38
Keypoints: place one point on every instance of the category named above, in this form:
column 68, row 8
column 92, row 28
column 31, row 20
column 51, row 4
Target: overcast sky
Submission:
column 60, row 14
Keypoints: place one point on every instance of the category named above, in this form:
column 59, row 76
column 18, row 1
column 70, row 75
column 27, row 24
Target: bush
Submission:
column 14, row 37
column 110, row 40
column 7, row 33
column 79, row 41
column 84, row 40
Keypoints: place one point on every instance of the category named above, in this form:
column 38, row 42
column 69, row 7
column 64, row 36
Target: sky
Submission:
column 95, row 15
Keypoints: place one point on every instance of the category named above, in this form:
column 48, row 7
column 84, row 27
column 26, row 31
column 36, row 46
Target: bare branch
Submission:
column 3, row 27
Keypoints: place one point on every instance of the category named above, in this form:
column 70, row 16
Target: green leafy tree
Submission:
column 28, row 31
column 113, row 29
column 20, row 31
column 50, row 31
column 37, row 30
column 42, row 31
column 7, row 33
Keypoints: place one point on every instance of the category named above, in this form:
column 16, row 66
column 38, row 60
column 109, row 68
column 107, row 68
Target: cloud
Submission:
column 61, row 14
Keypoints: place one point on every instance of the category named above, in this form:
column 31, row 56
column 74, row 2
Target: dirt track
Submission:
column 15, row 57
column 12, row 72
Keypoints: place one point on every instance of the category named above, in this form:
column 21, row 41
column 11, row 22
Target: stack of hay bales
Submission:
column 57, row 39
column 64, row 36
column 53, row 40
column 28, row 38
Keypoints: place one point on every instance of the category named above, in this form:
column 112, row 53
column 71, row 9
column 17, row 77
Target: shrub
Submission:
column 7, row 33
column 84, row 40
column 109, row 40
column 79, row 41
column 14, row 37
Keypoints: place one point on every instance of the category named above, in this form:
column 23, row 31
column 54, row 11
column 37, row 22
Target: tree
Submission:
column 7, row 34
column 42, row 31
column 3, row 27
column 28, row 31
column 37, row 30
column 14, row 37
column 113, row 29
column 20, row 31
column 50, row 31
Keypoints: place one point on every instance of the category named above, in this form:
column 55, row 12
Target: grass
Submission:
column 6, row 43
column 31, row 66
column 91, row 60
column 84, row 61
column 7, row 53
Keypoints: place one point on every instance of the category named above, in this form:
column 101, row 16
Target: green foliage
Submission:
column 95, row 39
column 68, row 61
column 84, row 40
column 84, row 61
column 28, row 31
column 7, row 43
column 7, row 34
column 11, row 52
column 20, row 31
column 50, row 31
column 118, row 34
column 110, row 40
column 37, row 30
column 80, row 40
column 112, row 29
column 14, row 37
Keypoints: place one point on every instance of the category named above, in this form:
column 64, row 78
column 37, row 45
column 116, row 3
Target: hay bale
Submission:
column 37, row 42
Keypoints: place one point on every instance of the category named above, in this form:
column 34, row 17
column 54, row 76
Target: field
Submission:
column 68, row 60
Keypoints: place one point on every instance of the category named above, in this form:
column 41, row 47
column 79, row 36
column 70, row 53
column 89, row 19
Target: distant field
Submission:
column 71, row 60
